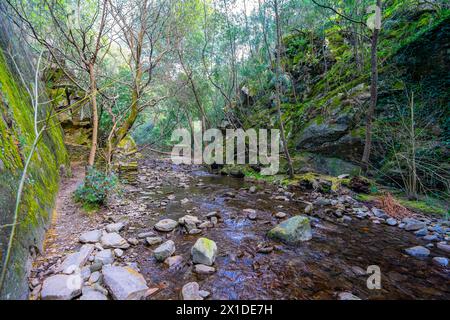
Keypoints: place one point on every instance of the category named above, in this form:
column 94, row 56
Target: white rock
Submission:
column 124, row 283
column 347, row 296
column 153, row 240
column 114, row 240
column 61, row 287
column 93, row 295
column 115, row 227
column 166, row 225
column 190, row 291
column 118, row 252
column 91, row 236
column 104, row 257
column 76, row 260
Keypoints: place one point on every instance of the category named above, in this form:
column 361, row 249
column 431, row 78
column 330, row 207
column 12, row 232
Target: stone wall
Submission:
column 16, row 138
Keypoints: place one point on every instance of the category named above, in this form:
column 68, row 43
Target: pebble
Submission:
column 280, row 215
column 153, row 240
column 444, row 247
column 190, row 291
column 204, row 269
column 418, row 251
column 440, row 261
column 391, row 221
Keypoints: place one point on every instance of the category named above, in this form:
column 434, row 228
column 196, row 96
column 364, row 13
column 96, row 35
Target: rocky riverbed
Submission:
column 178, row 232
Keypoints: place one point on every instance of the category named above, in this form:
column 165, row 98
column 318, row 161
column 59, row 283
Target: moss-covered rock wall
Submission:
column 16, row 138
column 324, row 108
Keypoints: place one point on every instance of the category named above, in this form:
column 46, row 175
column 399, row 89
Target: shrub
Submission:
column 95, row 188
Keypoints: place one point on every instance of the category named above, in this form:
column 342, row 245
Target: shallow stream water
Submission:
column 334, row 261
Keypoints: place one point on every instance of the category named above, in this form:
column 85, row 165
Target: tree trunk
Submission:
column 373, row 96
column 93, row 84
column 278, row 93
column 134, row 109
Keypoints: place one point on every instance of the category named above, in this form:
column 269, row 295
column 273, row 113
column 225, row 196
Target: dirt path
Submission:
column 68, row 222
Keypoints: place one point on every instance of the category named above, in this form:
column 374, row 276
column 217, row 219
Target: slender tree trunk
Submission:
column 278, row 93
column 373, row 96
column 413, row 191
column 93, row 83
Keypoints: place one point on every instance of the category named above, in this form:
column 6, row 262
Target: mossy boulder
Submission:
column 292, row 231
column 204, row 251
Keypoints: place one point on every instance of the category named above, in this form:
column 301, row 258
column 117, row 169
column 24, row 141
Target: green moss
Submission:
column 16, row 138
column 424, row 207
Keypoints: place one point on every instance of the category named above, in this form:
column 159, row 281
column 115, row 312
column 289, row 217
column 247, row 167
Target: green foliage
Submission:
column 95, row 188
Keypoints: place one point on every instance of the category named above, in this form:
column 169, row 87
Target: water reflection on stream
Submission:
column 316, row 269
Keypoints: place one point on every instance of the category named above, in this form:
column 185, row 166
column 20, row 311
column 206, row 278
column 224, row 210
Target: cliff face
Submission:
column 325, row 103
column 16, row 138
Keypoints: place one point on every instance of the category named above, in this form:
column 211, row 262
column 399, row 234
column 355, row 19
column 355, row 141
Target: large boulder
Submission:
column 61, row 287
column 124, row 283
column 292, row 230
column 204, row 251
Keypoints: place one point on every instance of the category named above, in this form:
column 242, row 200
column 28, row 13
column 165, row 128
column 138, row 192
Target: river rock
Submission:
column 204, row 269
column 61, row 287
column 77, row 259
column 166, row 225
column 421, row 233
column 379, row 213
column 115, row 227
column 190, row 291
column 444, row 247
column 189, row 220
column 309, row 208
column 124, row 283
column 440, row 261
column 280, row 215
column 347, row 296
column 147, row 234
column 95, row 276
column 114, row 240
column 413, row 224
column 118, row 252
column 164, row 251
column 431, row 237
column 104, row 257
column 173, row 261
column 91, row 236
column 204, row 251
column 292, row 230
column 418, row 251
column 153, row 240
column 391, row 221
column 93, row 295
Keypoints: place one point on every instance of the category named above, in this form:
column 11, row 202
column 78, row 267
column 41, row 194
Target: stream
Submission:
column 334, row 261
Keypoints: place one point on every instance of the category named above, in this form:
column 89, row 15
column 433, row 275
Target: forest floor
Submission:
column 348, row 237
